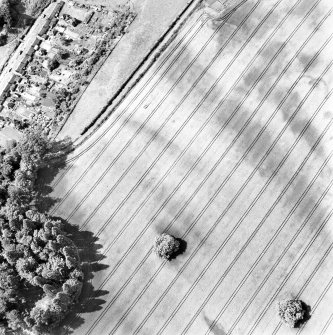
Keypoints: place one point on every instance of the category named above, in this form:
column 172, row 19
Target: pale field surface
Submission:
column 227, row 143
column 153, row 19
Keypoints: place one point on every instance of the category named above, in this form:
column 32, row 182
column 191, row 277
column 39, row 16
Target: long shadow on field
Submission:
column 217, row 329
column 47, row 174
column 90, row 300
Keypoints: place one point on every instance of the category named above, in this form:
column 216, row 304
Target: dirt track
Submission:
column 226, row 142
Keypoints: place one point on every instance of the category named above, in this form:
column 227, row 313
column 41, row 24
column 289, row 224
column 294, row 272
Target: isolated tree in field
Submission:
column 166, row 246
column 292, row 312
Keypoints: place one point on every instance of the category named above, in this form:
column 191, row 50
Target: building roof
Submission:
column 75, row 12
column 72, row 34
column 46, row 45
column 25, row 47
column 29, row 97
column 60, row 29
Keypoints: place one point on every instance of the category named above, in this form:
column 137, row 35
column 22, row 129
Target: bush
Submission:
column 166, row 246
column 292, row 312
column 53, row 64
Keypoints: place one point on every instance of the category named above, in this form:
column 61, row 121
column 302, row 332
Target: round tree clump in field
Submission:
column 292, row 312
column 166, row 246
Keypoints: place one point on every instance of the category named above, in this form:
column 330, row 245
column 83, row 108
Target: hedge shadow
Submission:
column 47, row 174
column 90, row 299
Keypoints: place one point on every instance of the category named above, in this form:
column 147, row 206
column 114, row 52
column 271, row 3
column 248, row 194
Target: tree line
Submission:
column 40, row 273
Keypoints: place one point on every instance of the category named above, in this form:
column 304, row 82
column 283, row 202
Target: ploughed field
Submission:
column 226, row 143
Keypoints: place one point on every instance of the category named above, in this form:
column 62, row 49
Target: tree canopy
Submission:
column 40, row 274
column 166, row 246
column 5, row 14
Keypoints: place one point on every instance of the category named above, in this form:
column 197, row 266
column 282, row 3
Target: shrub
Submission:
column 292, row 312
column 53, row 64
column 166, row 246
column 5, row 15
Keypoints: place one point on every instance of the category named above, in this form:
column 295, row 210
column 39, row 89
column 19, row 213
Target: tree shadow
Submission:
column 90, row 299
column 307, row 315
column 46, row 175
column 19, row 16
column 181, row 250
column 217, row 329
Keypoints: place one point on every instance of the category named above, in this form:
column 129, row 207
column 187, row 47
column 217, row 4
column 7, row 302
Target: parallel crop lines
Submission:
column 108, row 277
column 131, row 106
column 237, row 225
column 205, row 70
column 308, row 280
column 265, row 249
column 317, row 303
column 153, row 75
column 327, row 324
column 291, row 271
column 225, row 17
column 215, row 194
column 205, row 123
column 249, row 240
column 174, row 110
column 140, row 104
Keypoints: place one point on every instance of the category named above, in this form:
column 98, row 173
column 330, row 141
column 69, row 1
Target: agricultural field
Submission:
column 226, row 143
